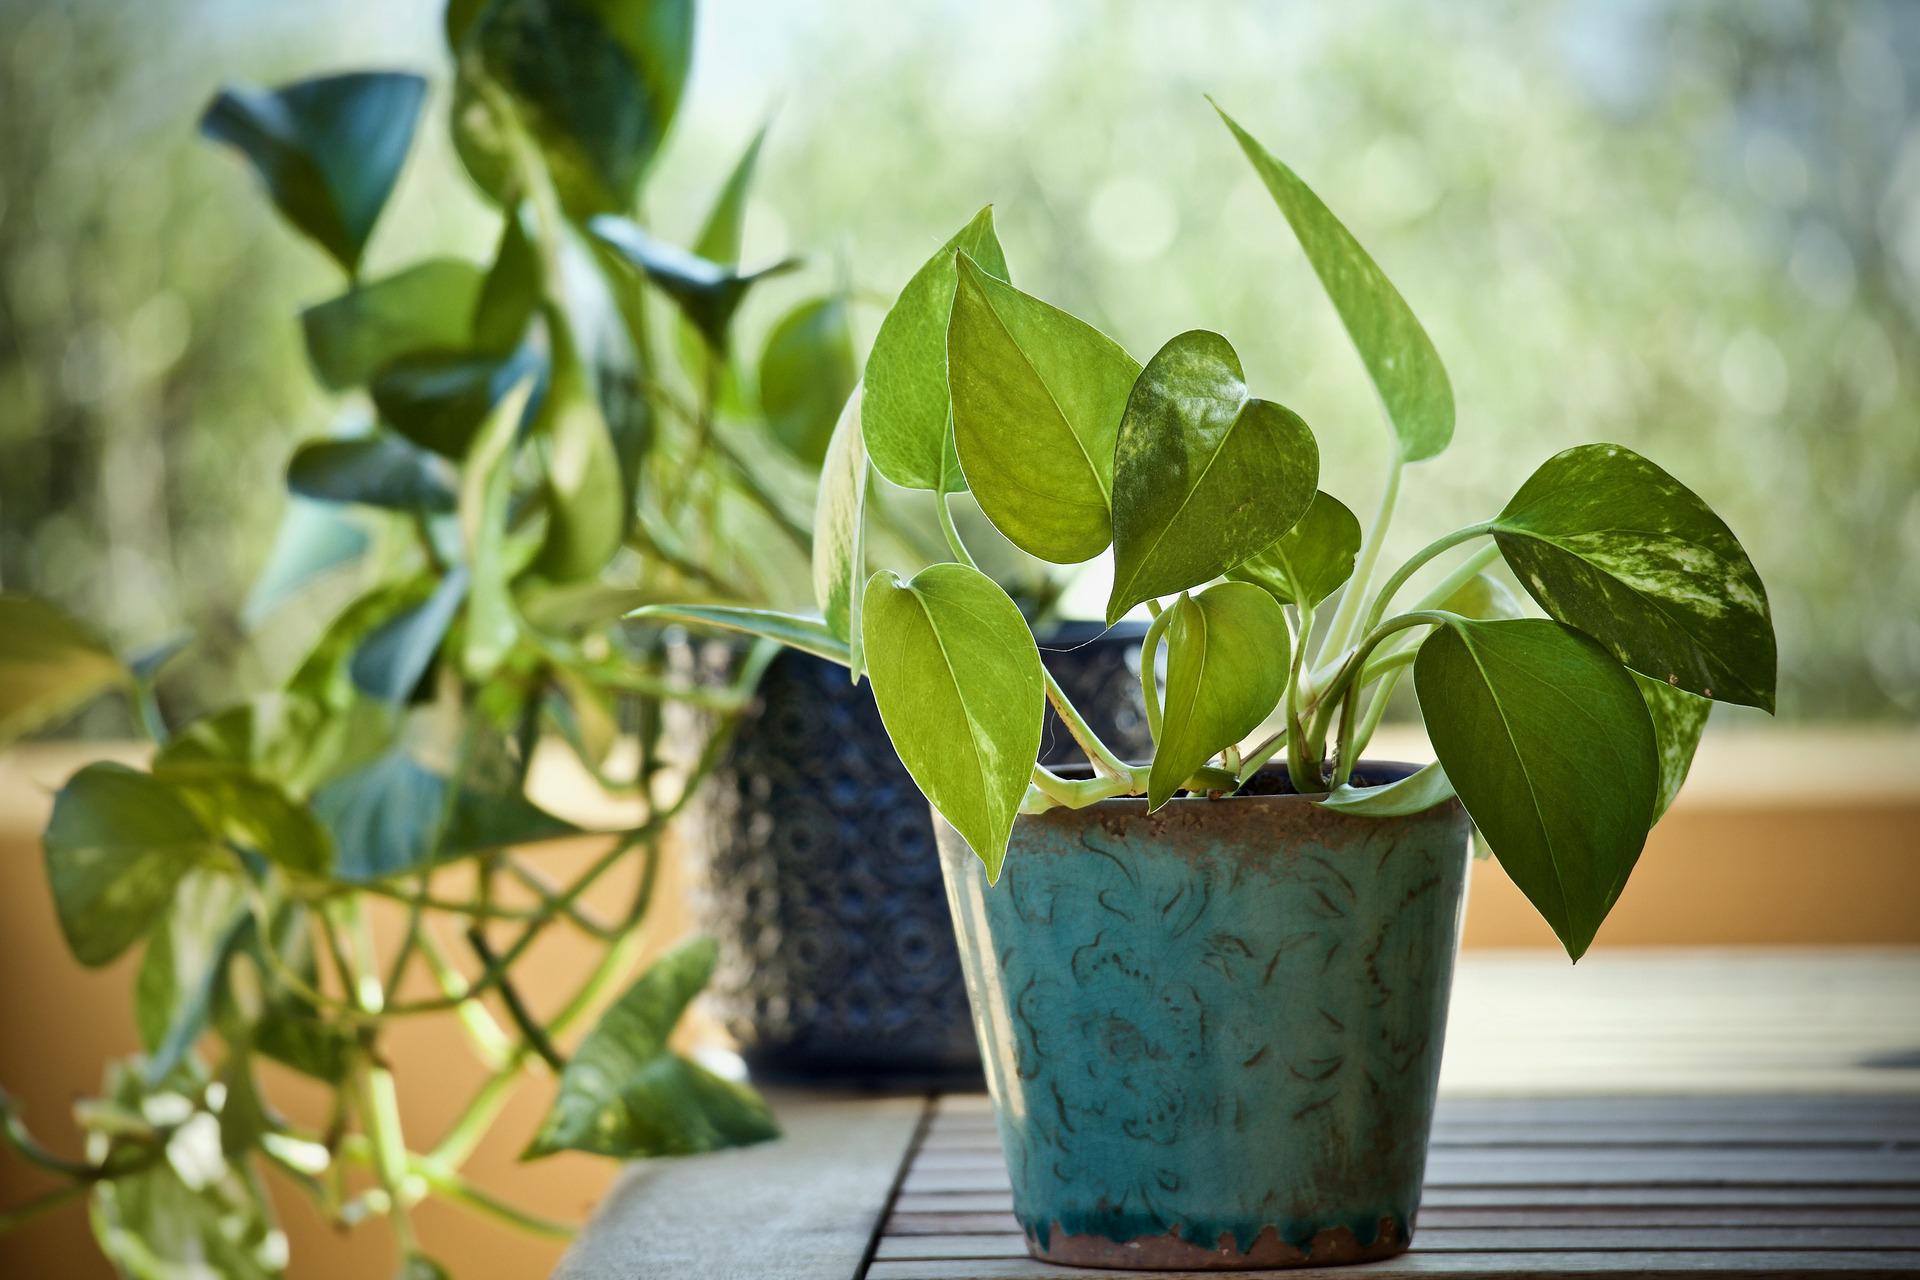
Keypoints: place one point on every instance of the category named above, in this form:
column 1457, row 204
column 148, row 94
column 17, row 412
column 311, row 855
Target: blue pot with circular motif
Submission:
column 816, row 871
column 1212, row 1033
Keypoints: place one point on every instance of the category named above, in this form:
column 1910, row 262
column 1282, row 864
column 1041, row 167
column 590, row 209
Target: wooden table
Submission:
column 1664, row 1114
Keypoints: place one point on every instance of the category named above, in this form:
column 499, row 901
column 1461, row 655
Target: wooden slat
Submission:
column 813, row 1199
column 1744, row 1265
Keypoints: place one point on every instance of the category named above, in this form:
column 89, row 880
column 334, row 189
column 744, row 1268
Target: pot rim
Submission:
column 1375, row 773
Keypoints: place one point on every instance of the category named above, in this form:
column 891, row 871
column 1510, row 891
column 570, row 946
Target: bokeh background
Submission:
column 1693, row 228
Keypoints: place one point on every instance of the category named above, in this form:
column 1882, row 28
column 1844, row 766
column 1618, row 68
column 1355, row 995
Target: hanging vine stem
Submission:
column 1347, row 614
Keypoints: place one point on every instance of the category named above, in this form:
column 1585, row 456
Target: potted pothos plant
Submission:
column 1210, row 987
column 520, row 440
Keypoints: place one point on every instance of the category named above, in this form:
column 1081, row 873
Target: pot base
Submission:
column 1332, row 1247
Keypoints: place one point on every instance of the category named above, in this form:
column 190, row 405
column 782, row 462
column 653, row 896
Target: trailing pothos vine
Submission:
column 1565, row 736
column 523, row 441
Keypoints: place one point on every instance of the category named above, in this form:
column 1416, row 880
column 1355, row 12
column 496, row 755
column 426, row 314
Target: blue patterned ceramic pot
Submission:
column 1212, row 1033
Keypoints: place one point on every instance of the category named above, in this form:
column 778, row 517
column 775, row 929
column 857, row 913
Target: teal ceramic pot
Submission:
column 1212, row 1033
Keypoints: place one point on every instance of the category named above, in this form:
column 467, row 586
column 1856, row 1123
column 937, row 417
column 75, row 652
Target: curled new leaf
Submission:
column 796, row 631
column 908, row 414
column 1610, row 543
column 840, row 532
column 961, row 691
column 1037, row 398
column 1204, row 475
column 328, row 149
column 1399, row 356
column 707, row 292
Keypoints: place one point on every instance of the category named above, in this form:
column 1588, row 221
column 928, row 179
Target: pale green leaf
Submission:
column 485, row 489
column 1037, row 400
column 1204, row 475
column 840, row 532
column 961, row 691
column 908, row 417
column 50, row 666
column 1399, row 356
column 1418, row 792
column 796, row 631
column 1227, row 661
column 116, row 847
column 626, row 1093
column 428, row 305
column 807, row 370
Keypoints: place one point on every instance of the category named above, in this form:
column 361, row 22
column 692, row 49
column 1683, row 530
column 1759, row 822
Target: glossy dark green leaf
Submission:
column 329, row 150
column 1679, row 718
column 595, row 82
column 429, row 306
column 512, row 291
column 960, row 688
column 1311, row 560
column 438, row 399
column 50, row 665
column 1227, row 660
column 707, row 292
column 1418, row 792
column 796, row 631
column 395, row 655
column 807, row 371
column 1549, row 745
column 1037, row 399
column 191, row 1214
column 256, row 815
column 1204, row 475
column 378, row 470
column 907, row 414
column 117, row 845
column 1399, row 356
column 1608, row 542
column 392, row 817
column 243, row 1112
column 840, row 533
column 626, row 1093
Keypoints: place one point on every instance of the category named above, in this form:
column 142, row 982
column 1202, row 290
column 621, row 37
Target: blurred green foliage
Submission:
column 1687, row 228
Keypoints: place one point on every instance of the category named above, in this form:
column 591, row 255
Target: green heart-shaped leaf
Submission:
column 1399, row 356
column 49, row 665
column 429, row 305
column 117, row 845
column 1310, row 560
column 1037, row 399
column 1679, row 718
column 438, row 399
column 378, row 470
column 796, row 631
column 958, row 681
column 807, row 371
column 329, row 149
column 1227, row 658
column 595, row 83
column 1608, row 542
column 1549, row 745
column 486, row 489
column 1203, row 475
column 390, row 662
column 1418, row 792
column 625, row 1092
column 907, row 415
column 840, row 532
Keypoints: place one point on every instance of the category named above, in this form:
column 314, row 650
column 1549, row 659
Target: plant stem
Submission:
column 958, row 547
column 534, row 1035
column 1375, row 709
column 1347, row 615
column 1098, row 752
column 1460, row 577
column 1149, row 657
column 1420, row 557
column 21, row 1214
column 1256, row 758
column 489, row 1041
